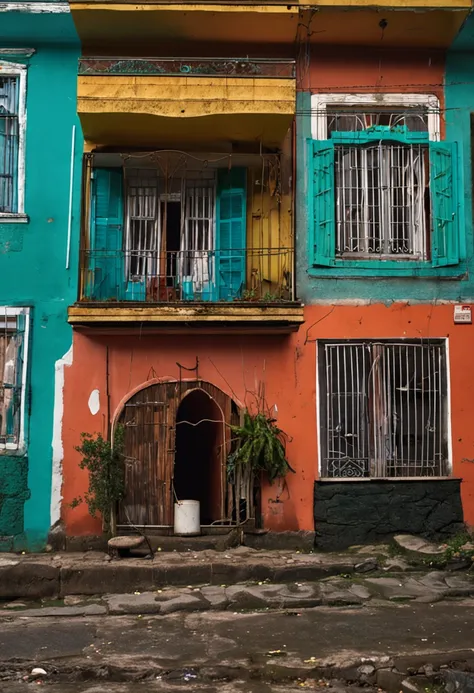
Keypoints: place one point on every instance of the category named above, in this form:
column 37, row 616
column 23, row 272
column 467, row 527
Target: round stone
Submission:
column 125, row 542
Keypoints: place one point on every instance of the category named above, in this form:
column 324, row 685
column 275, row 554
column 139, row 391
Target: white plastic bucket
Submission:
column 187, row 519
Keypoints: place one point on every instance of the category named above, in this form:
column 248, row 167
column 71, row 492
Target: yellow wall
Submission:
column 181, row 97
column 269, row 227
column 149, row 110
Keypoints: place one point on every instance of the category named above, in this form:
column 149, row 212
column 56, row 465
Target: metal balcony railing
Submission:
column 245, row 275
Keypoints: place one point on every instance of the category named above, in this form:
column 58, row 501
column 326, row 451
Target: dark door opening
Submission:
column 173, row 239
column 198, row 467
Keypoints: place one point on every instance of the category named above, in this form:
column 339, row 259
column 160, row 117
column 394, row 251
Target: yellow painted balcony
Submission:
column 139, row 102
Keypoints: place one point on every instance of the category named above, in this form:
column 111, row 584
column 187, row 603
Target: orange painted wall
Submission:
column 355, row 70
column 236, row 364
column 287, row 365
column 402, row 320
column 339, row 68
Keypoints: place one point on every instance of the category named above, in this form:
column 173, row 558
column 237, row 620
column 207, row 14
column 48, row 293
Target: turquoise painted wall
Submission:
column 325, row 285
column 33, row 259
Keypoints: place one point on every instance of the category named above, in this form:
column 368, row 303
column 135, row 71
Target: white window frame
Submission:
column 18, row 70
column 319, row 107
column 320, row 103
column 5, row 313
column 319, row 416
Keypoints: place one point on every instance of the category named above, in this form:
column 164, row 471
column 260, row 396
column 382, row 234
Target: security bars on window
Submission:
column 382, row 189
column 381, row 200
column 142, row 226
column 145, row 219
column 383, row 409
column 9, row 134
column 11, row 364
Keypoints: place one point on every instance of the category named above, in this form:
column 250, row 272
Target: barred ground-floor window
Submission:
column 383, row 409
column 14, row 330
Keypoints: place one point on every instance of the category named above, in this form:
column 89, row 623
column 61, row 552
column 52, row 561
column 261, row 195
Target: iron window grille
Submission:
column 13, row 338
column 385, row 191
column 146, row 212
column 383, row 409
column 9, row 143
column 381, row 185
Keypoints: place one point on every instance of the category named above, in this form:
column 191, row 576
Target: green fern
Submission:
column 260, row 448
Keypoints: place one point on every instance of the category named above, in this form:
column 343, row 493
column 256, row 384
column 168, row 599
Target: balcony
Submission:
column 144, row 102
column 198, row 287
column 193, row 242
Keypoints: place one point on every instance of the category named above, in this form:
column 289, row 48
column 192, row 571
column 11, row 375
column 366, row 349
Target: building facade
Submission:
column 281, row 222
column 187, row 306
column 40, row 157
column 384, row 186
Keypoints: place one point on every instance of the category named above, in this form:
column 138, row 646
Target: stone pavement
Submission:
column 219, row 687
column 346, row 590
column 380, row 645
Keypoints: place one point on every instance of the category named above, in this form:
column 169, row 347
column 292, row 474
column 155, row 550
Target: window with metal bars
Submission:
column 383, row 189
column 383, row 409
column 381, row 186
column 382, row 200
column 13, row 337
column 9, row 143
column 148, row 220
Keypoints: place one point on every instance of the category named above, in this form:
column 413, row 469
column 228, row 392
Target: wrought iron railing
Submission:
column 250, row 275
column 188, row 67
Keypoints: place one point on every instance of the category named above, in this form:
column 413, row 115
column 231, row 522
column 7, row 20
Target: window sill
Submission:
column 6, row 218
column 389, row 270
column 391, row 479
column 12, row 450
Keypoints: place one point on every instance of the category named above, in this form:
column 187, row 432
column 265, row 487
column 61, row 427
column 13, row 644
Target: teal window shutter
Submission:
column 231, row 209
column 106, row 261
column 445, row 204
column 322, row 203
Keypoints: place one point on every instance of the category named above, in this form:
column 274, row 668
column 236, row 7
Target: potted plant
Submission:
column 260, row 448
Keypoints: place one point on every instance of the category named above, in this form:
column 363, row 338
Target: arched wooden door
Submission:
column 149, row 420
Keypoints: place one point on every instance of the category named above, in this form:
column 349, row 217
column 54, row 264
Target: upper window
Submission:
column 384, row 188
column 13, row 349
column 12, row 122
column 383, row 409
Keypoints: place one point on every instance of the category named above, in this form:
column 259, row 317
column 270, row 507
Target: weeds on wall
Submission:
column 105, row 464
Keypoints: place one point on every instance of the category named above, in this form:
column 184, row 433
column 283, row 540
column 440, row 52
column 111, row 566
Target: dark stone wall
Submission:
column 358, row 512
column 13, row 494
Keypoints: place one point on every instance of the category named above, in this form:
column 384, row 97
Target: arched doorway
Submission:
column 199, row 465
column 152, row 419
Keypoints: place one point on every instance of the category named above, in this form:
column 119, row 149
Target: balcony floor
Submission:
column 248, row 317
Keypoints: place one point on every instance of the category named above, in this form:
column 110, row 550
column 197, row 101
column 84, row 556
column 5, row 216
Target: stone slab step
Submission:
column 336, row 591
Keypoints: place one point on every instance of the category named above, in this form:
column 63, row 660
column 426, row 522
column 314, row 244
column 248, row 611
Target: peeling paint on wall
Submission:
column 57, row 442
column 94, row 402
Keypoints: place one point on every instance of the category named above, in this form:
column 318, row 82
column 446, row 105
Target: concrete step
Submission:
column 45, row 575
column 96, row 573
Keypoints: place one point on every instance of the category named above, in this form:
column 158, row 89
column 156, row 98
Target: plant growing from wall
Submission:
column 260, row 447
column 105, row 463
